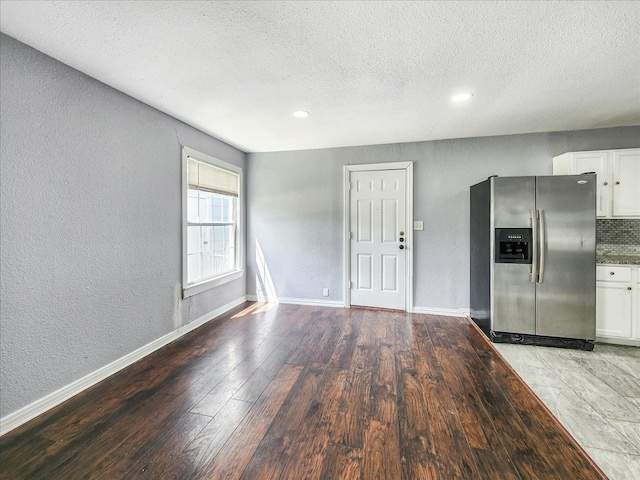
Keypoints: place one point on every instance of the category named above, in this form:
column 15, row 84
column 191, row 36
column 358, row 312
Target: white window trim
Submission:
column 188, row 291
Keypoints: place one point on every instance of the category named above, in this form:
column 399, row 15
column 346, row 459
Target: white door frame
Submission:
column 408, row 166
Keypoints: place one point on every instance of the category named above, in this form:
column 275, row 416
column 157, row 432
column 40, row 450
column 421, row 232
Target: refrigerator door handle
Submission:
column 534, row 251
column 543, row 236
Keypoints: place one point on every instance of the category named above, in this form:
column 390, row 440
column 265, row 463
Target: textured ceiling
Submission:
column 369, row 72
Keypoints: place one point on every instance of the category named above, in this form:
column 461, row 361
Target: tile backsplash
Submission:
column 618, row 236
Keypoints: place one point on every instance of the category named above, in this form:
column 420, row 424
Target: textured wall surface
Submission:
column 90, row 225
column 296, row 206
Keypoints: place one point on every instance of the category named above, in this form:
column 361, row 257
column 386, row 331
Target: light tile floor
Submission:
column 595, row 395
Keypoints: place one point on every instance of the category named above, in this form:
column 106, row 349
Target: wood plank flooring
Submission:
column 299, row 392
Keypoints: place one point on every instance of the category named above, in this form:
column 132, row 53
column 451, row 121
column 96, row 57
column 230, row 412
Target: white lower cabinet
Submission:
column 613, row 311
column 617, row 304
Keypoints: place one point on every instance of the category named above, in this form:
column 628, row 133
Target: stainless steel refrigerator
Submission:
column 532, row 259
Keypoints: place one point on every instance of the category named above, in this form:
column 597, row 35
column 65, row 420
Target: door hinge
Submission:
column 349, row 186
column 350, row 235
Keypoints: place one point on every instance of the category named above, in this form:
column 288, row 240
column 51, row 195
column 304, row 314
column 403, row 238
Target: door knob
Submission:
column 628, row 288
column 401, row 239
column 606, row 183
column 617, row 183
column 401, row 247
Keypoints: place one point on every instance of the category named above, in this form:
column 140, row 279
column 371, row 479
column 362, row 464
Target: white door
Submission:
column 613, row 309
column 378, row 238
column 582, row 162
column 638, row 305
column 626, row 183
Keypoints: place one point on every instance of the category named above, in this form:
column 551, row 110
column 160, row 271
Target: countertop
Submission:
column 618, row 259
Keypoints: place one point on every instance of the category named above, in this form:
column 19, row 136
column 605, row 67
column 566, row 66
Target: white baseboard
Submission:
column 445, row 312
column 618, row 341
column 17, row 418
column 301, row 301
column 312, row 302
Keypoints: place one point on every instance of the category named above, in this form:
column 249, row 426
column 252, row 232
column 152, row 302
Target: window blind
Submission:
column 203, row 176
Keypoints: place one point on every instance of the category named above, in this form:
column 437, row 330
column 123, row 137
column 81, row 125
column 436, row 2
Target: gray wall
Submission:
column 295, row 204
column 90, row 225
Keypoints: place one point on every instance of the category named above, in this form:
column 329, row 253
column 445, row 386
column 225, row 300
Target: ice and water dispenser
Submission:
column 513, row 245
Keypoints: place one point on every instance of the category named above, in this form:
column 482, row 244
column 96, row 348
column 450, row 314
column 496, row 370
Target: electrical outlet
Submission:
column 325, row 292
column 418, row 225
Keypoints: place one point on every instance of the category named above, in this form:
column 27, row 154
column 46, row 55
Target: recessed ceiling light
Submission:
column 461, row 97
column 301, row 114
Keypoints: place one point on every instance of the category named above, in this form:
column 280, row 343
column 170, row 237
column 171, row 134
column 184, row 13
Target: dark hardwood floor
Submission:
column 298, row 392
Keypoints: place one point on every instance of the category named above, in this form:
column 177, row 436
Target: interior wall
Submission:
column 295, row 207
column 90, row 225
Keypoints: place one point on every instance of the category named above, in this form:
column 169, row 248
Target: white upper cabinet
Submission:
column 618, row 177
column 626, row 183
column 583, row 162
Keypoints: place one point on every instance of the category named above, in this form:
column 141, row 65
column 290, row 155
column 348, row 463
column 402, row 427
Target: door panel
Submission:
column 378, row 211
column 566, row 297
column 389, row 221
column 364, row 221
column 365, row 272
column 390, row 273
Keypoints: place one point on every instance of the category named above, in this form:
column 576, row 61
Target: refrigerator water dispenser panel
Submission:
column 513, row 245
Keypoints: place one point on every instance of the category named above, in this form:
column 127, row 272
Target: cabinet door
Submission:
column 626, row 183
column 583, row 162
column 613, row 309
column 638, row 309
column 637, row 312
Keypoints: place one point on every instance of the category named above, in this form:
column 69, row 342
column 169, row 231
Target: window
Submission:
column 212, row 248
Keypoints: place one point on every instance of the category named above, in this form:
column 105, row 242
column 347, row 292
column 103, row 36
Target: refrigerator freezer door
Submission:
column 511, row 201
column 513, row 295
column 566, row 297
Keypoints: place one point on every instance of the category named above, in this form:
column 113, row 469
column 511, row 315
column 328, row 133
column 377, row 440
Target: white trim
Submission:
column 301, row 301
column 346, row 234
column 618, row 341
column 213, row 282
column 408, row 166
column 409, row 285
column 379, row 166
column 445, row 312
column 189, row 290
column 310, row 301
column 19, row 417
